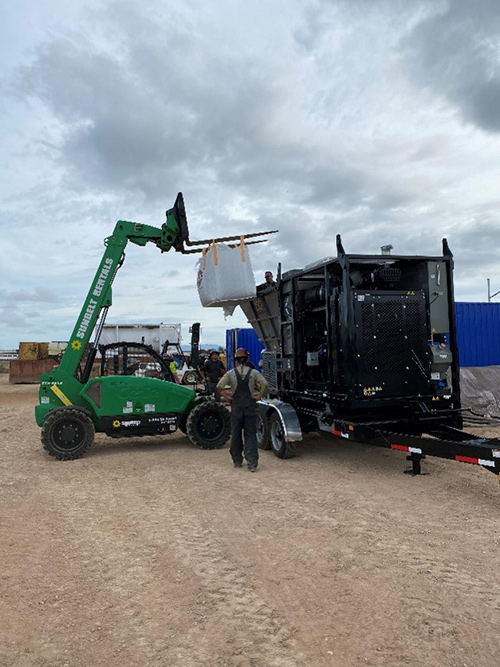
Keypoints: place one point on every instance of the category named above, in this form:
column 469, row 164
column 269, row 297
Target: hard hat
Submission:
column 241, row 353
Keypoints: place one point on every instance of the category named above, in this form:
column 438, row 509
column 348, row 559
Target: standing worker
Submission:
column 247, row 386
column 268, row 277
column 172, row 364
column 213, row 370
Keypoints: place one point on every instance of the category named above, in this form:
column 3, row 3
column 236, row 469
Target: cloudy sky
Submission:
column 376, row 120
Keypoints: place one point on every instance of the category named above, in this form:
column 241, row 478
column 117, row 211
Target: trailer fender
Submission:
column 288, row 417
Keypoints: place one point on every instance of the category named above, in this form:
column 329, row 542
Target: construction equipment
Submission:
column 73, row 405
column 163, row 338
column 363, row 347
column 187, row 366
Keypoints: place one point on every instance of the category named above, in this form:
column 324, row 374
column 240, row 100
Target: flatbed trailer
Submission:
column 363, row 347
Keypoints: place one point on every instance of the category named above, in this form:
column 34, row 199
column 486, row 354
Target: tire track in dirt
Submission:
column 464, row 580
column 434, row 579
column 257, row 635
column 371, row 525
column 229, row 623
column 408, row 544
column 129, row 587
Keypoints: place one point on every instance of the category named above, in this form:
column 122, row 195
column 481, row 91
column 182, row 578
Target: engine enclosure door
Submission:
column 391, row 344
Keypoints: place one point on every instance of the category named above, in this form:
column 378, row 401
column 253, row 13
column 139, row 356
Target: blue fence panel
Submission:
column 478, row 333
column 246, row 338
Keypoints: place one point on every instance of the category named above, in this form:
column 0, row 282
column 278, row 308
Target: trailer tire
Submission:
column 281, row 448
column 67, row 433
column 208, row 425
column 263, row 440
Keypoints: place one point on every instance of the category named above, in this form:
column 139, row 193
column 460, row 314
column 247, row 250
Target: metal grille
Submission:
column 393, row 335
column 334, row 328
column 270, row 369
column 389, row 275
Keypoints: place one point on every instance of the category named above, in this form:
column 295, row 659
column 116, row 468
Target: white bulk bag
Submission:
column 225, row 276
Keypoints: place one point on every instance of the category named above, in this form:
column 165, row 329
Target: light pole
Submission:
column 490, row 296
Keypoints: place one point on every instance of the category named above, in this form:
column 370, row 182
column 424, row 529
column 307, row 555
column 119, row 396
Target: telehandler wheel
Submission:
column 281, row 448
column 208, row 425
column 67, row 433
column 263, row 438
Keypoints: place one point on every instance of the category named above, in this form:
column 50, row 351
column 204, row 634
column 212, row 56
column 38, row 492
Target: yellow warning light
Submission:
column 351, row 427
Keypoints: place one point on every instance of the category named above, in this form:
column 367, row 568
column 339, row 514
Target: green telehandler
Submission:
column 73, row 406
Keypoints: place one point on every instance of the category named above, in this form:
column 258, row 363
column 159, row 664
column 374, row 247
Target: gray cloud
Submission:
column 12, row 318
column 138, row 119
column 141, row 118
column 455, row 51
column 38, row 295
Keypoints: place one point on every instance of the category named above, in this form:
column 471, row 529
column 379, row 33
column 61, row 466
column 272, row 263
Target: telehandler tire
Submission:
column 67, row 433
column 281, row 448
column 208, row 425
column 263, row 439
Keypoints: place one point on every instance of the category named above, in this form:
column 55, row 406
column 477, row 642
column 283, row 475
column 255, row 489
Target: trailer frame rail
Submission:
column 467, row 448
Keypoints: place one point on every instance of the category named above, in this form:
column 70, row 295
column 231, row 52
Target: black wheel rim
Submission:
column 276, row 435
column 210, row 426
column 260, row 429
column 68, row 435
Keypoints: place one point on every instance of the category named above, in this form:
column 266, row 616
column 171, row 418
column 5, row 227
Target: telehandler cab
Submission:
column 73, row 406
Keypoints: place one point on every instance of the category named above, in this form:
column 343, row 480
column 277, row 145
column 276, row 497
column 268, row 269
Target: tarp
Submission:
column 480, row 389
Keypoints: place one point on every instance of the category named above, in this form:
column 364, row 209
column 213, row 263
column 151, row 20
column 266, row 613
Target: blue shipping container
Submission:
column 246, row 338
column 478, row 336
column 478, row 333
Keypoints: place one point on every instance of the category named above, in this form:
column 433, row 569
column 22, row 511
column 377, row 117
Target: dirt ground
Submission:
column 152, row 552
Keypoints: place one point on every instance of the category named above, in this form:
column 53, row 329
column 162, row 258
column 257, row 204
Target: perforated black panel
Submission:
column 392, row 331
column 392, row 342
column 270, row 369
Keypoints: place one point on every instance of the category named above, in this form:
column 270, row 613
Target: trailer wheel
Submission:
column 67, row 433
column 189, row 377
column 263, row 439
column 208, row 425
column 281, row 448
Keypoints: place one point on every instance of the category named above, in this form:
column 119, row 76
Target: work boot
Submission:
column 237, row 464
column 252, row 467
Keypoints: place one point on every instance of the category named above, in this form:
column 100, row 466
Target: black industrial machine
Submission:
column 364, row 347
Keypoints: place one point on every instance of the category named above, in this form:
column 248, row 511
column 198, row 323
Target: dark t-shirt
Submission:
column 214, row 370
